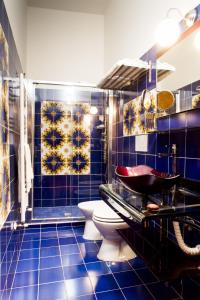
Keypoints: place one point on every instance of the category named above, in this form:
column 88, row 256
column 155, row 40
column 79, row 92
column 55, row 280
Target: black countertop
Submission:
column 154, row 244
column 174, row 203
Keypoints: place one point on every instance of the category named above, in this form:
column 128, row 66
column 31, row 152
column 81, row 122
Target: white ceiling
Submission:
column 85, row 6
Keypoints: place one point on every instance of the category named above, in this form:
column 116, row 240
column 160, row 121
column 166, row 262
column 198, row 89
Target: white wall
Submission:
column 64, row 46
column 17, row 14
column 130, row 26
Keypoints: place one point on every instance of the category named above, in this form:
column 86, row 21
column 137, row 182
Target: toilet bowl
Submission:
column 90, row 230
column 113, row 247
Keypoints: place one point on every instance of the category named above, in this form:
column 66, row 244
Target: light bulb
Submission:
column 93, row 110
column 197, row 41
column 167, row 32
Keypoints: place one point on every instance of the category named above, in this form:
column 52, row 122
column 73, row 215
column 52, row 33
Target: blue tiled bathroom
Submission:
column 99, row 150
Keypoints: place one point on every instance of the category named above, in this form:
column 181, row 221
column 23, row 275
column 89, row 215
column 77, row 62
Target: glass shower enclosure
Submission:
column 70, row 151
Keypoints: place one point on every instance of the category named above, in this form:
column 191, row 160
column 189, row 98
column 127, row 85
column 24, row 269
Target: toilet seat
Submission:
column 89, row 205
column 105, row 214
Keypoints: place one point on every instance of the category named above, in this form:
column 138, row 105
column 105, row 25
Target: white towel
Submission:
column 29, row 169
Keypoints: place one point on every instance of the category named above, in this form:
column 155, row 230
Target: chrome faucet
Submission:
column 172, row 149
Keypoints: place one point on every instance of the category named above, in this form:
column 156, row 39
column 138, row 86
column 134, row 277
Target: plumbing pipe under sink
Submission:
column 185, row 248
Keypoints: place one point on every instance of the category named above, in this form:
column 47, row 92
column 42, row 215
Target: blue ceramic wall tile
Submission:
column 120, row 141
column 84, row 192
column 162, row 164
column 96, row 144
column 37, row 120
column 60, row 192
column 163, row 142
column 37, row 193
column 74, row 180
column 96, row 156
column 48, row 193
column 193, row 118
column 47, row 181
column 152, row 143
column 44, row 203
column 180, row 166
column 132, row 159
column 60, row 181
column 37, row 169
column 178, row 138
column 37, row 156
column 37, row 132
column 151, row 161
column 37, row 144
column 120, row 129
column 178, row 121
column 163, row 124
column 120, row 159
column 193, row 169
column 141, row 159
column 37, row 203
column 193, row 144
column 126, row 144
column 37, row 107
column 96, row 168
column 85, row 180
column 126, row 160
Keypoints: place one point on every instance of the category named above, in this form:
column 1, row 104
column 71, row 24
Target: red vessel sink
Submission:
column 144, row 179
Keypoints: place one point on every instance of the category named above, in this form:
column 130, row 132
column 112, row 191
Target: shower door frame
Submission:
column 71, row 219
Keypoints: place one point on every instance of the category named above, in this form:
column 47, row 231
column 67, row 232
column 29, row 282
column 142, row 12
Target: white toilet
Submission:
column 90, row 230
column 113, row 247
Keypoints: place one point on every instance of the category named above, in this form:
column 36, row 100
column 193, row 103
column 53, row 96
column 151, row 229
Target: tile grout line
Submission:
column 84, row 263
column 11, row 288
column 144, row 282
column 118, row 285
column 39, row 265
column 6, row 274
column 61, row 262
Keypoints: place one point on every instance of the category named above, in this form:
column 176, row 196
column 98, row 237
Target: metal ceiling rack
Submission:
column 163, row 70
column 125, row 72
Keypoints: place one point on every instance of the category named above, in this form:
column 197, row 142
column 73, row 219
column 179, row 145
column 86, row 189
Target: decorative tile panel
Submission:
column 139, row 116
column 4, row 53
column 65, row 138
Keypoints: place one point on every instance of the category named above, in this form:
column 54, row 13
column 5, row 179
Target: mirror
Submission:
column 184, row 82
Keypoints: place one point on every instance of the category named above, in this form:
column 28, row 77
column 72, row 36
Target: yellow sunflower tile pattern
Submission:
column 5, row 202
column 65, row 138
column 4, row 59
column 138, row 117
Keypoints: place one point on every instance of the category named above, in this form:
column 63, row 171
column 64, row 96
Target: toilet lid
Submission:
column 104, row 212
column 89, row 204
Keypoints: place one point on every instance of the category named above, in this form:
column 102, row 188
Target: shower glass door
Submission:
column 69, row 149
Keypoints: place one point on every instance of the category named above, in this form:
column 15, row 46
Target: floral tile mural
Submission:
column 139, row 114
column 65, row 138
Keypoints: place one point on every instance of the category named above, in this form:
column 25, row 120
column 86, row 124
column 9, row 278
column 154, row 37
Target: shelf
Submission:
column 163, row 70
column 125, row 72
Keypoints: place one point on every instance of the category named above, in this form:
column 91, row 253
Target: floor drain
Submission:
column 67, row 214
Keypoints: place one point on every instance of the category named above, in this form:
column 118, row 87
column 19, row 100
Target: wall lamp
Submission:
column 169, row 29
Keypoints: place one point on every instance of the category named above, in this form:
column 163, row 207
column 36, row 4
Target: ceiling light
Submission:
column 190, row 18
column 169, row 30
column 93, row 110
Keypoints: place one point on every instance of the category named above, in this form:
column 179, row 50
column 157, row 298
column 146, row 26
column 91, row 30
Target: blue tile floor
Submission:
column 57, row 212
column 56, row 263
